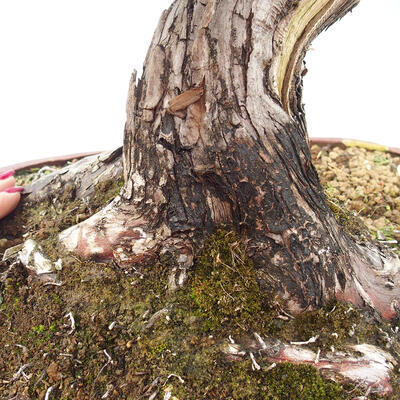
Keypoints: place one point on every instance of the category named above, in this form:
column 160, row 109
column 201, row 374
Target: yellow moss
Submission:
column 365, row 145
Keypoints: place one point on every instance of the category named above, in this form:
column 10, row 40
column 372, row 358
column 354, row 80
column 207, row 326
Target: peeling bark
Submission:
column 216, row 135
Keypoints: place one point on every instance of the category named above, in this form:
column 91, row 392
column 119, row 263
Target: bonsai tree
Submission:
column 216, row 136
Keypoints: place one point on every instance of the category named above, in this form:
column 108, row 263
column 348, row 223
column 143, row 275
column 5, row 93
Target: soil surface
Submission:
column 365, row 182
column 103, row 331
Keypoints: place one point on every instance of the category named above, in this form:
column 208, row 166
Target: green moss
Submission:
column 56, row 298
column 336, row 325
column 237, row 304
column 38, row 329
column 350, row 222
column 381, row 159
column 285, row 381
column 208, row 377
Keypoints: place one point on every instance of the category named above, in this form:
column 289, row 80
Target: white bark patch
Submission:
column 70, row 238
column 200, row 51
column 177, row 60
column 140, row 243
column 166, row 32
column 232, row 348
column 255, row 365
column 299, row 354
column 131, row 101
column 390, row 267
column 139, row 184
column 157, row 34
column 33, row 258
column 372, row 369
column 99, row 233
column 148, row 115
column 243, row 8
column 163, row 181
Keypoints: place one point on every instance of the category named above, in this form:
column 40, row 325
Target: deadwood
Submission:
column 83, row 175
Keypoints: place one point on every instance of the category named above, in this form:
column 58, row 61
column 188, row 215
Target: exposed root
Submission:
column 83, row 175
column 107, row 393
column 119, row 233
column 311, row 340
column 255, row 365
column 48, row 393
column 20, row 373
column 114, row 232
column 375, row 281
column 155, row 317
column 175, row 376
column 372, row 369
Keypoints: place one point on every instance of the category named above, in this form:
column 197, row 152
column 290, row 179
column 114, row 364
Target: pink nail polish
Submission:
column 14, row 189
column 7, row 174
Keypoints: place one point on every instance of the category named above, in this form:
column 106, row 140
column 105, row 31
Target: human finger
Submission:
column 9, row 199
column 7, row 179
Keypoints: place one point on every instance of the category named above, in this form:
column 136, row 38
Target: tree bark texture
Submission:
column 216, row 135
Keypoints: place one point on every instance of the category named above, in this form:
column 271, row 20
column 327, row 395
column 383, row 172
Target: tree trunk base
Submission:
column 366, row 276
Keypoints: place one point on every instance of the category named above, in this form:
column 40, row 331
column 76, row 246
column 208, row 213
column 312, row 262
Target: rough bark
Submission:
column 216, row 135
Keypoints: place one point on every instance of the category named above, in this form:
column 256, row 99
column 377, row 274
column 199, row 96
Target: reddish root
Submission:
column 116, row 232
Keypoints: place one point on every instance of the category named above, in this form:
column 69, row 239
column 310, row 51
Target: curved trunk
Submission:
column 216, row 135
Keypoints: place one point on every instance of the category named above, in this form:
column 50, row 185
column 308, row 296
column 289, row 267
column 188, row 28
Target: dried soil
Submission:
column 365, row 182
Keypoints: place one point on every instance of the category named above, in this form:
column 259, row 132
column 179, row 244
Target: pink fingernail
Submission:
column 7, row 174
column 14, row 189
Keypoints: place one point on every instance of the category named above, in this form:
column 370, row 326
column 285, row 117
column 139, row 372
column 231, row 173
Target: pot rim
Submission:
column 60, row 160
column 354, row 143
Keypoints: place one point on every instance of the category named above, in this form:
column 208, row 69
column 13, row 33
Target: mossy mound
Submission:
column 158, row 341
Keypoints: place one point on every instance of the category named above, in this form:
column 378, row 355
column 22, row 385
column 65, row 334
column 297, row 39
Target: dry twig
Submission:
column 71, row 317
column 311, row 340
column 109, row 360
column 48, row 392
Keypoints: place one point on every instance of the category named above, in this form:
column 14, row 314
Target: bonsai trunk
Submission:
column 216, row 136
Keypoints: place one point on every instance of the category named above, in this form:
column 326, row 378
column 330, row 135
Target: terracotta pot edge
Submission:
column 363, row 143
column 59, row 160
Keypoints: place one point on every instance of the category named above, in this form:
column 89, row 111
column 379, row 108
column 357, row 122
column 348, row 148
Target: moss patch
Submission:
column 237, row 305
column 112, row 309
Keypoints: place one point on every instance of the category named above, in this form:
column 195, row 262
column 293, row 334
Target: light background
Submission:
column 65, row 68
